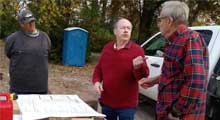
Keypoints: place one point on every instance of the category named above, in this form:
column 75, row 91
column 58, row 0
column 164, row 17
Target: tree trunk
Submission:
column 103, row 13
column 146, row 18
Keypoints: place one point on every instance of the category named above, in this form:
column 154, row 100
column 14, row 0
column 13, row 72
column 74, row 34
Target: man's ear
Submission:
column 171, row 20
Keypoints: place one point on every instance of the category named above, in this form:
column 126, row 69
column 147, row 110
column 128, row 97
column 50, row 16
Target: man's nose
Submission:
column 126, row 30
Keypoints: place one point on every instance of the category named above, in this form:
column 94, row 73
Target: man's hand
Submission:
column 170, row 116
column 98, row 87
column 148, row 82
column 138, row 61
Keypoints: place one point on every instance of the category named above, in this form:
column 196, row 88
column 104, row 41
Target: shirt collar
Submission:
column 32, row 34
column 180, row 29
column 127, row 46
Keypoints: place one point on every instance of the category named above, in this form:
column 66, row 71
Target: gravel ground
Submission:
column 62, row 79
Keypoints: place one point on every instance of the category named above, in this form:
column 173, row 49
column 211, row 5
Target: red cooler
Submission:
column 6, row 107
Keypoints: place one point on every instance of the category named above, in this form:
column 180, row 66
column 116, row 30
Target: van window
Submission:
column 206, row 34
column 157, row 43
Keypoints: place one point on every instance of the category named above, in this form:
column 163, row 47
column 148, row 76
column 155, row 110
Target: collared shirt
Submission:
column 182, row 85
column 127, row 46
column 120, row 79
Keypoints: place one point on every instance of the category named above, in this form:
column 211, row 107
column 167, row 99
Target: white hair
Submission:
column 115, row 25
column 179, row 11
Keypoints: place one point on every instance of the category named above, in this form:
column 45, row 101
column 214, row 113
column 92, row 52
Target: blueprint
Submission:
column 43, row 106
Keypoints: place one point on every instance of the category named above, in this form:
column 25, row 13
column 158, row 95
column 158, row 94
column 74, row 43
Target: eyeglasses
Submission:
column 159, row 19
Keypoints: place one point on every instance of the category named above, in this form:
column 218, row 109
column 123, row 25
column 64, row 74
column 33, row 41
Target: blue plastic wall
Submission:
column 74, row 46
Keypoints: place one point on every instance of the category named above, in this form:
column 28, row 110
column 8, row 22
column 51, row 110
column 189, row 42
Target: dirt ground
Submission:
column 62, row 79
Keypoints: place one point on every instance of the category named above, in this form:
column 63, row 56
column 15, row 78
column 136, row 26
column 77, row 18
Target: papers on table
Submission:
column 43, row 106
column 17, row 117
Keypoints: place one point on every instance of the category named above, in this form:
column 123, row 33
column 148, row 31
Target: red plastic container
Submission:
column 6, row 107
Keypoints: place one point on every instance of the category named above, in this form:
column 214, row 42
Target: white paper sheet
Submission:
column 43, row 106
column 17, row 117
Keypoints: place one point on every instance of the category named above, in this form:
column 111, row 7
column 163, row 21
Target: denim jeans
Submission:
column 122, row 114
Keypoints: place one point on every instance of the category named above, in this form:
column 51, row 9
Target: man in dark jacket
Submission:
column 27, row 50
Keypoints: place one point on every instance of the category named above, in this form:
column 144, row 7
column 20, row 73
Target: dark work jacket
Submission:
column 28, row 62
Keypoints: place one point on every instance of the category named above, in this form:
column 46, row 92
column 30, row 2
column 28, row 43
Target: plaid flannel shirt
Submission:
column 182, row 85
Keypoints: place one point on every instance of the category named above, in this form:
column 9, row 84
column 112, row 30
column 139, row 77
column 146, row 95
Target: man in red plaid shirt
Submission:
column 182, row 83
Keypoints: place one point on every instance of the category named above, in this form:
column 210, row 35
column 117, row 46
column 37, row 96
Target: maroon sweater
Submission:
column 120, row 79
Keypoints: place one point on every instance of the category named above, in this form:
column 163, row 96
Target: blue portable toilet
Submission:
column 74, row 46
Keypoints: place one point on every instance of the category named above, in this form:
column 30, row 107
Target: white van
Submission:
column 153, row 48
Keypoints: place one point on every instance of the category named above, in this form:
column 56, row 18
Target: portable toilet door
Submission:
column 74, row 46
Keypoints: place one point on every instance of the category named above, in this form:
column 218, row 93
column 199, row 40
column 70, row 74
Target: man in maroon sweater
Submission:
column 116, row 75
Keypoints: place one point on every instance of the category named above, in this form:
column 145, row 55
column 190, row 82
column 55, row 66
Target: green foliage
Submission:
column 92, row 21
column 198, row 23
column 96, row 16
column 8, row 22
column 99, row 38
column 50, row 19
